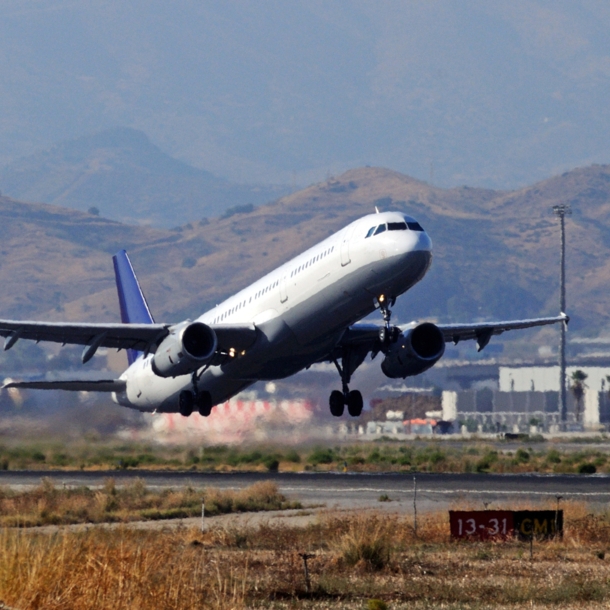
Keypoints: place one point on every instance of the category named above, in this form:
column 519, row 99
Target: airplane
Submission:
column 306, row 311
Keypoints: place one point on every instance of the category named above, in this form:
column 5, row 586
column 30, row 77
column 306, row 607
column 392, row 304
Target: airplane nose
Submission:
column 423, row 243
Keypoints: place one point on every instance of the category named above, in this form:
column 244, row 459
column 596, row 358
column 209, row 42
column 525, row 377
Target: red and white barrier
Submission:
column 235, row 420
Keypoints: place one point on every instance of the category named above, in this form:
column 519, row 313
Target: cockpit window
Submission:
column 380, row 229
column 414, row 226
column 397, row 226
column 371, row 231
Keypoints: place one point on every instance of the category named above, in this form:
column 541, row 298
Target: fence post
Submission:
column 415, row 505
column 557, row 517
column 305, row 557
column 202, row 516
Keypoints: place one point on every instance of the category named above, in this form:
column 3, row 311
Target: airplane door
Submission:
column 347, row 236
column 283, row 291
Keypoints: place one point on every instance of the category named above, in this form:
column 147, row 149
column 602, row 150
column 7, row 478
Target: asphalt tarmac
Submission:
column 348, row 491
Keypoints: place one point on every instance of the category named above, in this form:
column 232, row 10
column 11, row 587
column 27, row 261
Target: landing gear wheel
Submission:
column 204, row 404
column 354, row 403
column 336, row 403
column 388, row 334
column 185, row 404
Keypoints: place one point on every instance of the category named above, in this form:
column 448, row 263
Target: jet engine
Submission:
column 186, row 349
column 414, row 351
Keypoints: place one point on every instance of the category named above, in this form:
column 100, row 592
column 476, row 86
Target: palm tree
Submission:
column 578, row 386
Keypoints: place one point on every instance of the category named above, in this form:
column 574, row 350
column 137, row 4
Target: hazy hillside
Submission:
column 127, row 178
column 488, row 93
column 496, row 253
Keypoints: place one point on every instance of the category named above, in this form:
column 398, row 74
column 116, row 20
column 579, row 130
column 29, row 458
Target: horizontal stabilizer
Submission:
column 102, row 385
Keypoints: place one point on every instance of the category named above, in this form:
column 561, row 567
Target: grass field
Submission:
column 49, row 505
column 355, row 562
column 416, row 456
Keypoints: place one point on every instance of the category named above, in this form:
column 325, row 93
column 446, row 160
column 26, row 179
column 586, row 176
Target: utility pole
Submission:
column 562, row 210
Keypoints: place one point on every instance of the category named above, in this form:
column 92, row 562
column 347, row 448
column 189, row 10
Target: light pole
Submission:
column 562, row 210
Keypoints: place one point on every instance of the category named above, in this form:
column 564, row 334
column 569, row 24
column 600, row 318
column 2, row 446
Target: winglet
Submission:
column 134, row 308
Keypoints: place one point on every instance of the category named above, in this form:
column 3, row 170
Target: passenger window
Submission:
column 414, row 226
column 397, row 226
column 380, row 229
column 371, row 231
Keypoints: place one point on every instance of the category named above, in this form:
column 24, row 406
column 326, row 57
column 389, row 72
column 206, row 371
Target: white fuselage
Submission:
column 300, row 309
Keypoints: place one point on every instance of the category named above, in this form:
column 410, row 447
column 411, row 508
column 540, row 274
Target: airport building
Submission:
column 527, row 400
column 517, row 399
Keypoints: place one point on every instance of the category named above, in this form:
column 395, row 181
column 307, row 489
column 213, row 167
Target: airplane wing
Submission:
column 141, row 337
column 121, row 336
column 482, row 332
column 368, row 334
column 101, row 385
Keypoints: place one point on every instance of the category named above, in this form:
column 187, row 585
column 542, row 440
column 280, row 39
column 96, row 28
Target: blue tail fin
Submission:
column 134, row 308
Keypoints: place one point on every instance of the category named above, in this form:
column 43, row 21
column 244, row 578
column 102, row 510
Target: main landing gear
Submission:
column 195, row 400
column 352, row 399
column 353, row 357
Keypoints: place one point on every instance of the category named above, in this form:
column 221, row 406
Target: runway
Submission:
column 359, row 490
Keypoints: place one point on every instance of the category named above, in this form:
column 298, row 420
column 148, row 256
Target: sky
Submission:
column 478, row 92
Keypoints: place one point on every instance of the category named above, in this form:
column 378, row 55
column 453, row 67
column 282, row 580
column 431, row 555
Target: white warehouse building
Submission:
column 546, row 378
column 529, row 396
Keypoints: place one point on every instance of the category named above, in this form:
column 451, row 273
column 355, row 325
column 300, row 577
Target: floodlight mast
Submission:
column 562, row 210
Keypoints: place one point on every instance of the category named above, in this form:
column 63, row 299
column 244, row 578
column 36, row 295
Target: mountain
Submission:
column 496, row 253
column 125, row 177
column 496, row 94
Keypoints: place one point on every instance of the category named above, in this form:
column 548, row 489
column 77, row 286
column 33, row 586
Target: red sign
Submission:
column 481, row 524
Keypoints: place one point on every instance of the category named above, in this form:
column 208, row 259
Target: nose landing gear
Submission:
column 388, row 334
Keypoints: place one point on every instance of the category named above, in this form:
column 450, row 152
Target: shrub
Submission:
column 271, row 463
column 292, row 456
column 321, row 456
column 553, row 456
column 251, row 458
column 485, row 463
column 128, row 462
column 436, row 456
column 38, row 456
column 587, row 468
column 522, row 456
column 237, row 209
column 367, row 542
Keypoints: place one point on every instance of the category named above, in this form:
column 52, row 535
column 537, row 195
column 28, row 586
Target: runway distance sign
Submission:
column 538, row 524
column 504, row 524
column 481, row 524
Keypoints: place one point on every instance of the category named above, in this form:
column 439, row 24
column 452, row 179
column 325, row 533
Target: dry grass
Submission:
column 261, row 567
column 364, row 542
column 419, row 456
column 47, row 504
column 124, row 569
